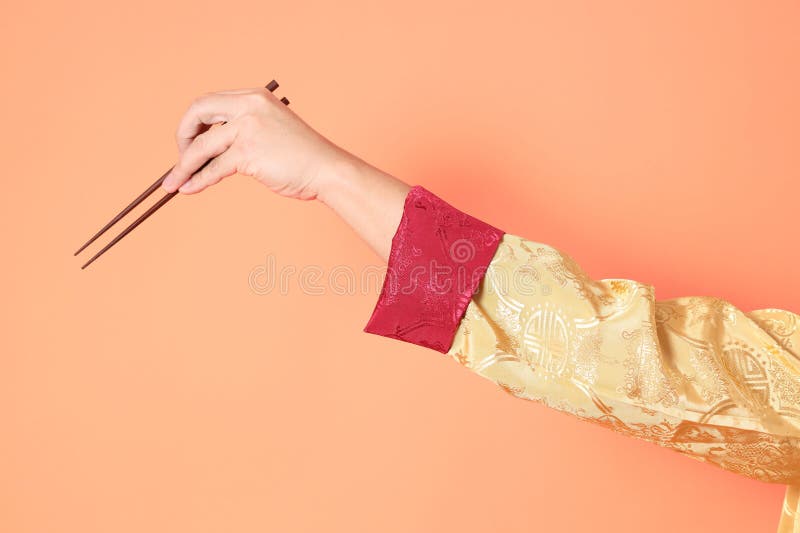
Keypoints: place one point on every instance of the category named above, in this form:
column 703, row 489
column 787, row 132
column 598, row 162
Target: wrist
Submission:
column 334, row 177
column 368, row 199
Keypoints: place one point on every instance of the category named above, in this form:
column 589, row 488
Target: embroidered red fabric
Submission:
column 438, row 258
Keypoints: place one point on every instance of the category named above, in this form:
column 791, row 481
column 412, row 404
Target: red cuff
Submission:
column 438, row 258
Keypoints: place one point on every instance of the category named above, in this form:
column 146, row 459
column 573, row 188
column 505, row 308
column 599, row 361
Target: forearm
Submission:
column 366, row 198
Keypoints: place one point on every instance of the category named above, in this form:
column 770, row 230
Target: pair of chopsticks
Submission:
column 271, row 86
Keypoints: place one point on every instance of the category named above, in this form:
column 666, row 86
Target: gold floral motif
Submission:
column 781, row 325
column 786, row 388
column 461, row 358
column 708, row 375
column 754, row 454
column 659, row 433
column 618, row 287
column 563, row 269
column 664, row 312
column 707, row 309
column 513, row 391
column 586, row 354
column 763, row 458
column 773, row 349
column 647, row 378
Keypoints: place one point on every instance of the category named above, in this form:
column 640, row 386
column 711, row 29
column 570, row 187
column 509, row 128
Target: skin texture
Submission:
column 251, row 132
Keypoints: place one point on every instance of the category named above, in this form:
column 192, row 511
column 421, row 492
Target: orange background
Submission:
column 156, row 391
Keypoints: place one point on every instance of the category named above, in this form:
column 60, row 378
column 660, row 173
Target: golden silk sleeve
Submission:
column 693, row 374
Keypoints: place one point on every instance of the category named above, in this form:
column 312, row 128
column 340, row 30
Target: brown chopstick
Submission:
column 271, row 86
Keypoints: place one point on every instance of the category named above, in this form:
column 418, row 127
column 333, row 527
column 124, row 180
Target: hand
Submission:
column 261, row 137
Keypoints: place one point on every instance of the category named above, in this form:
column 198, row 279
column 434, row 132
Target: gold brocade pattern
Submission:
column 693, row 374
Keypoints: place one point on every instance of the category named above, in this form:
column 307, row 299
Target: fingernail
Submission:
column 186, row 187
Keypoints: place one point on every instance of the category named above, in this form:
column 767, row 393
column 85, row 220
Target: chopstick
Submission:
column 271, row 86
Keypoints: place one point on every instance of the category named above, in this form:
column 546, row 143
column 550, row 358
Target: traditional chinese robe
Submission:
column 694, row 374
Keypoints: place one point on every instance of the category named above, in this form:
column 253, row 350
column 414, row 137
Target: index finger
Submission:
column 203, row 112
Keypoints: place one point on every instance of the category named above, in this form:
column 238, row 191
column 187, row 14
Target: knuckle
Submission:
column 207, row 172
column 259, row 95
column 194, row 105
column 201, row 142
column 197, row 103
column 247, row 168
column 211, row 167
column 260, row 100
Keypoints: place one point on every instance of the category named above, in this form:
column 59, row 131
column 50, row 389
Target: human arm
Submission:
column 693, row 374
